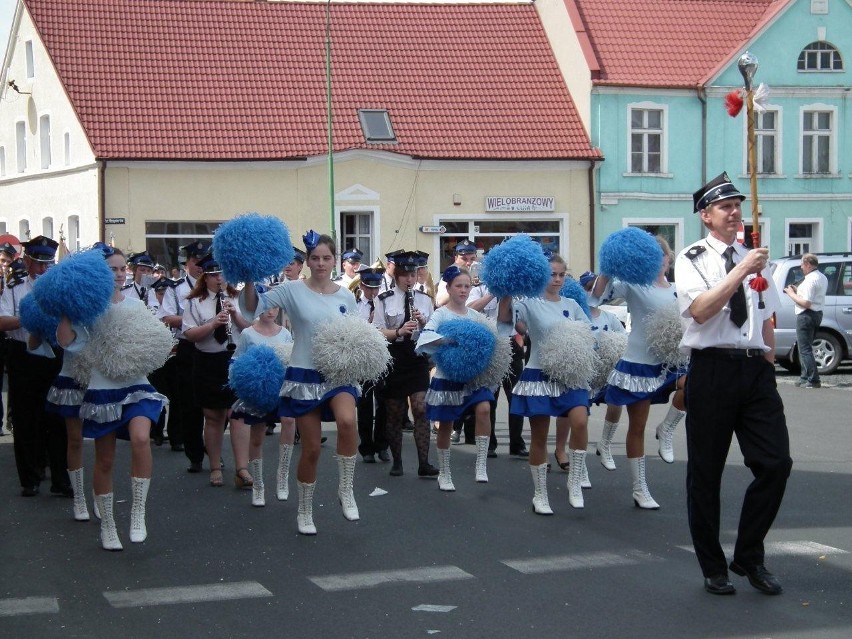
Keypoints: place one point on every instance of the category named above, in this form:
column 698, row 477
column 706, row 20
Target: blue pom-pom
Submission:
column 79, row 287
column 36, row 321
column 573, row 291
column 470, row 352
column 256, row 377
column 631, row 255
column 251, row 247
column 517, row 267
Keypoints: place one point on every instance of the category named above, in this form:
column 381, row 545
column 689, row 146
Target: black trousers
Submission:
column 36, row 430
column 165, row 380
column 371, row 421
column 726, row 396
column 190, row 429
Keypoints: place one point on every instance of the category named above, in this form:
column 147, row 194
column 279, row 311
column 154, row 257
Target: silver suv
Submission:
column 833, row 340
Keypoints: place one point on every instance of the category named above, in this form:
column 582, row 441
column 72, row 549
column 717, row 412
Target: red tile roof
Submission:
column 170, row 79
column 669, row 43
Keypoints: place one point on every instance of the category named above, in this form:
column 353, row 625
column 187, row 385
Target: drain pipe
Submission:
column 592, row 215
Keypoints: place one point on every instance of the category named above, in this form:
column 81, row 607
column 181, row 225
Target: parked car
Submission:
column 833, row 341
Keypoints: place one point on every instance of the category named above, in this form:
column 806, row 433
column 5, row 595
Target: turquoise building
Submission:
column 658, row 115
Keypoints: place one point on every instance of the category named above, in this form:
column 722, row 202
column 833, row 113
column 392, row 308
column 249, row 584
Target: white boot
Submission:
column 285, row 453
column 95, row 510
column 665, row 433
column 575, row 477
column 541, row 506
column 481, row 458
column 641, row 496
column 585, row 482
column 445, row 477
column 305, row 516
column 604, row 447
column 138, row 531
column 109, row 535
column 258, row 496
column 345, row 493
column 81, row 511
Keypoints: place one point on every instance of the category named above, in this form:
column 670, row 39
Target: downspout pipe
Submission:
column 592, row 165
column 102, row 200
column 702, row 97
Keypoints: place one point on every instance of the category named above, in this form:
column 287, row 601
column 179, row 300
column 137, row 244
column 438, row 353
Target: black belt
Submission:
column 729, row 353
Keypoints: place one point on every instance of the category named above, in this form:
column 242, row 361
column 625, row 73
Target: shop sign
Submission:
column 520, row 203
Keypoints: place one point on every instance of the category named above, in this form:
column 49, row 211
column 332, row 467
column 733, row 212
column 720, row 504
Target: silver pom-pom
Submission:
column 348, row 350
column 611, row 347
column 79, row 369
column 664, row 331
column 126, row 343
column 567, row 354
column 501, row 360
column 283, row 350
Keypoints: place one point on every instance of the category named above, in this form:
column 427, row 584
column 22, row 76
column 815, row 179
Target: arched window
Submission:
column 820, row 56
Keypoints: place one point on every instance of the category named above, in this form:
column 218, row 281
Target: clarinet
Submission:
column 230, row 346
column 409, row 300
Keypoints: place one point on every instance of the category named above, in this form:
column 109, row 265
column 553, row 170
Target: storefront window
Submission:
column 488, row 233
column 164, row 239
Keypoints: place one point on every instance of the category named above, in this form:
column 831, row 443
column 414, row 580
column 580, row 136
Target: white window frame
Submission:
column 44, row 135
column 763, row 222
column 677, row 222
column 29, row 55
column 834, row 50
column 21, row 145
column 73, row 232
column 24, row 230
column 832, row 146
column 2, row 161
column 372, row 211
column 816, row 237
column 66, row 141
column 779, row 146
column 47, row 226
column 664, row 138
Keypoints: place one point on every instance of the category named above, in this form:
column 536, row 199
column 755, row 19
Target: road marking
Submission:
column 355, row 581
column 186, row 594
column 28, row 606
column 585, row 561
column 433, row 608
column 779, row 548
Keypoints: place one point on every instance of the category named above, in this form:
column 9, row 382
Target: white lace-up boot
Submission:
column 138, row 531
column 575, row 477
column 95, row 510
column 109, row 534
column 604, row 447
column 541, row 506
column 285, row 453
column 641, row 495
column 445, row 477
column 258, row 496
column 665, row 433
column 81, row 511
column 305, row 516
column 585, row 482
column 482, row 458
column 345, row 493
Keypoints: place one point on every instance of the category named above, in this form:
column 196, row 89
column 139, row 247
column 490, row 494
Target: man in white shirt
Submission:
column 809, row 297
column 730, row 389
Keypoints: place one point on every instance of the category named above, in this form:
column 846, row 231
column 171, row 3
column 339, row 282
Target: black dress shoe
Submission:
column 760, row 578
column 719, row 585
column 492, row 454
column 158, row 440
column 270, row 430
column 63, row 490
column 177, row 448
column 383, row 456
column 427, row 470
column 396, row 469
column 369, row 458
column 194, row 467
column 29, row 491
column 521, row 453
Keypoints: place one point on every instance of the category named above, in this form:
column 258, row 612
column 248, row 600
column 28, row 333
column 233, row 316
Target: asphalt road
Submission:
column 474, row 563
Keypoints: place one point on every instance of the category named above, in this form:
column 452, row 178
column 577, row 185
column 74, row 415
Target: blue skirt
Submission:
column 305, row 390
column 251, row 416
column 64, row 397
column 630, row 383
column 447, row 401
column 536, row 394
column 110, row 410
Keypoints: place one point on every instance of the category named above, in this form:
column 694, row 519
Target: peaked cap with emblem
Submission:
column 140, row 259
column 40, row 249
column 719, row 188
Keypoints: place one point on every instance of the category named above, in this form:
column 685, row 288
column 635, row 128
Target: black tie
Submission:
column 220, row 333
column 142, row 293
column 372, row 309
column 738, row 300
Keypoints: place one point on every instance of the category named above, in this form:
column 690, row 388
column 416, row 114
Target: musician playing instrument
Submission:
column 211, row 322
column 400, row 314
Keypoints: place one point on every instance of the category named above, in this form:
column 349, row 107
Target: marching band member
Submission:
column 165, row 378
column 465, row 255
column 351, row 262
column 7, row 254
column 208, row 321
column 400, row 314
column 388, row 282
column 142, row 267
column 446, row 400
column 305, row 394
column 425, row 283
column 538, row 397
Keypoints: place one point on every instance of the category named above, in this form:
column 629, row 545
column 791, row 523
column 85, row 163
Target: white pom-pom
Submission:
column 611, row 347
column 283, row 350
column 79, row 369
column 348, row 350
column 501, row 360
column 664, row 330
column 127, row 342
column 567, row 354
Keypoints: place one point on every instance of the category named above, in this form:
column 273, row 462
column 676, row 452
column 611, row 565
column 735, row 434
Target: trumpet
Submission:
column 230, row 346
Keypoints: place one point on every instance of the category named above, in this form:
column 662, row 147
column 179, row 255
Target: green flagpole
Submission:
column 332, row 225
